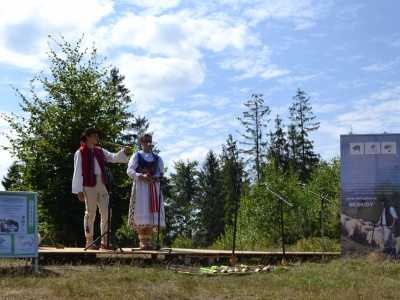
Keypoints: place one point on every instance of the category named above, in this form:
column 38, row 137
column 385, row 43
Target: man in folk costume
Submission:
column 90, row 179
column 388, row 221
column 146, row 208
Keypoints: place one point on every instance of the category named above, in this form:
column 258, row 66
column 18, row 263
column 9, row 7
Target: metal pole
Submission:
column 322, row 227
column 283, row 233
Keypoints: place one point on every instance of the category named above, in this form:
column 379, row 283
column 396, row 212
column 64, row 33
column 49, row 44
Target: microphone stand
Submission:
column 281, row 200
column 322, row 198
column 238, row 188
column 109, row 234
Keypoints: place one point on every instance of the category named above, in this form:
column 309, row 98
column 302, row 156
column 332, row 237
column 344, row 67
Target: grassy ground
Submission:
column 375, row 278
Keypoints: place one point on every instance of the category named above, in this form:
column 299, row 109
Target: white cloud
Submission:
column 254, row 64
column 304, row 24
column 25, row 25
column 154, row 3
column 291, row 79
column 193, row 154
column 206, row 100
column 153, row 80
column 179, row 35
column 325, row 108
column 301, row 12
column 357, row 83
column 372, row 114
column 383, row 67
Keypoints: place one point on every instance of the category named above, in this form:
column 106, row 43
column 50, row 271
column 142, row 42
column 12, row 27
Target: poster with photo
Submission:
column 370, row 190
column 18, row 225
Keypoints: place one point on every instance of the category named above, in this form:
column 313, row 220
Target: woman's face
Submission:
column 145, row 142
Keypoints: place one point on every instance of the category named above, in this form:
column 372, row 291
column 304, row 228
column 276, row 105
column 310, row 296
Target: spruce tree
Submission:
column 229, row 181
column 137, row 127
column 14, row 180
column 211, row 201
column 182, row 203
column 278, row 146
column 301, row 116
column 254, row 122
column 293, row 154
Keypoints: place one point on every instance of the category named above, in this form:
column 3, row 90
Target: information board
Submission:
column 370, row 172
column 18, row 225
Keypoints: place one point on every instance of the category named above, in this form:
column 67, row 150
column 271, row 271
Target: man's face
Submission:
column 92, row 138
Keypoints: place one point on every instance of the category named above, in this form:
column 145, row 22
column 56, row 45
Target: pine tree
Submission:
column 301, row 117
column 254, row 122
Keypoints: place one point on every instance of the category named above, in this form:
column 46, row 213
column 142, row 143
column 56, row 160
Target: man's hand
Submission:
column 81, row 196
column 127, row 149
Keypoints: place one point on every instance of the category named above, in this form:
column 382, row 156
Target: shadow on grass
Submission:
column 26, row 271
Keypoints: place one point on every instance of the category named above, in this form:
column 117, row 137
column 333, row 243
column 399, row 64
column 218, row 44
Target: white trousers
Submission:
column 388, row 237
column 95, row 196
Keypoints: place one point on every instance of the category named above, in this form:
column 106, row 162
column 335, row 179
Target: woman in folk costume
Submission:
column 145, row 205
column 89, row 182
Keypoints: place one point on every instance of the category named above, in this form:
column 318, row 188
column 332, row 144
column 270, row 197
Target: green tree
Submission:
column 278, row 148
column 302, row 117
column 293, row 155
column 182, row 203
column 229, row 181
column 254, row 122
column 258, row 221
column 325, row 181
column 211, row 202
column 14, row 181
column 137, row 128
column 45, row 138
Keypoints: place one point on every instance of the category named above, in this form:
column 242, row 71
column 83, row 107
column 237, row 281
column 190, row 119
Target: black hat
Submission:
column 384, row 200
column 89, row 131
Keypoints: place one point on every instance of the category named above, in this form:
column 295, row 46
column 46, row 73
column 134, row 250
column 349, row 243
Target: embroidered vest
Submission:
column 88, row 156
column 152, row 165
column 388, row 216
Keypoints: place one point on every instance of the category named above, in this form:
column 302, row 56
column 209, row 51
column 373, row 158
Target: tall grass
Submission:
column 377, row 278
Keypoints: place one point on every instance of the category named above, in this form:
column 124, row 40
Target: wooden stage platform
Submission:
column 176, row 256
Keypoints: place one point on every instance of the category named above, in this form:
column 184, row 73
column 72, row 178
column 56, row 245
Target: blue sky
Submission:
column 192, row 65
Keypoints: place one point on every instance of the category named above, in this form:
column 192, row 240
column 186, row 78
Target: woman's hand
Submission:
column 147, row 178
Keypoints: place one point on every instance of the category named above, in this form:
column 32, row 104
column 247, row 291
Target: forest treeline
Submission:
column 233, row 194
